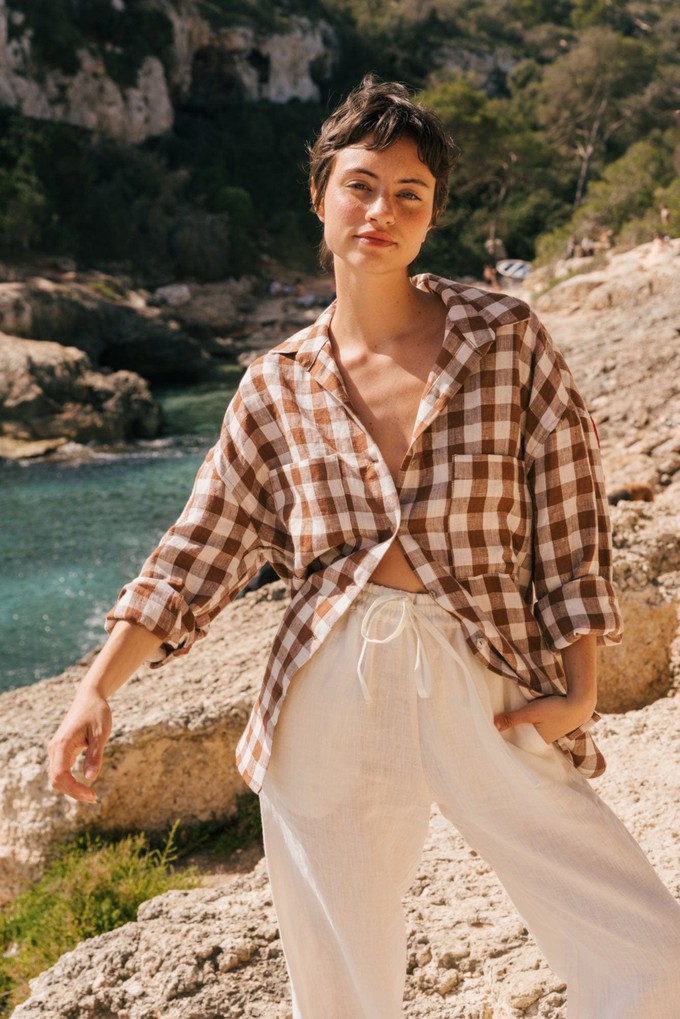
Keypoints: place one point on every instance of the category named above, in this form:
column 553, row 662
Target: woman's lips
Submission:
column 377, row 239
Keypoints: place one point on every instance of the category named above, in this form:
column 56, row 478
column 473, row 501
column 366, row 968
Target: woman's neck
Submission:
column 376, row 311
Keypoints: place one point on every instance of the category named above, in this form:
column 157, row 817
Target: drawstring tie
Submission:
column 416, row 618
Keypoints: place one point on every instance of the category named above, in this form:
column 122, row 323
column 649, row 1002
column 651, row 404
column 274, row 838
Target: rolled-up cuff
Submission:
column 160, row 608
column 584, row 605
column 585, row 754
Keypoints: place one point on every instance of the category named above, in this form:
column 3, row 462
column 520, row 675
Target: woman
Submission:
column 420, row 468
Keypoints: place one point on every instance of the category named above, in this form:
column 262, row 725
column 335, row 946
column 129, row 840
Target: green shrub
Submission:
column 90, row 888
column 626, row 191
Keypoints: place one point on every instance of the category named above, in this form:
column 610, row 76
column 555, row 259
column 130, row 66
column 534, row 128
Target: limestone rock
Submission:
column 114, row 333
column 281, row 66
column 89, row 99
column 617, row 328
column 638, row 671
column 50, row 392
column 646, row 539
column 272, row 65
column 276, row 66
column 171, row 753
column 479, row 66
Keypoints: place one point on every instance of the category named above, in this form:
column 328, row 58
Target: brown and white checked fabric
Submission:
column 499, row 507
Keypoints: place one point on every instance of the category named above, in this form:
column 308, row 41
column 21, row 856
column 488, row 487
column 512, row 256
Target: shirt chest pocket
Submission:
column 320, row 504
column 489, row 514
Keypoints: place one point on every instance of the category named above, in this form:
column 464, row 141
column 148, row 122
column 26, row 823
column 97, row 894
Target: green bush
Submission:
column 626, row 191
column 90, row 888
column 23, row 200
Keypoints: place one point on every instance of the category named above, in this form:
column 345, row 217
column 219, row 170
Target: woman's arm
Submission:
column 87, row 724
column 556, row 716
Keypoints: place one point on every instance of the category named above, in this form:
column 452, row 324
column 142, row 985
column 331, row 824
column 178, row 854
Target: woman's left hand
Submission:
column 552, row 717
column 556, row 715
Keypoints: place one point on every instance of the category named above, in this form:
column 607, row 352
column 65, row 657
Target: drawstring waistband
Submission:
column 411, row 615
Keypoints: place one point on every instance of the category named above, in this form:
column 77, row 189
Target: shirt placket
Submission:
column 327, row 374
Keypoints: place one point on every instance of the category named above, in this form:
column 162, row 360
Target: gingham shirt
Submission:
column 499, row 507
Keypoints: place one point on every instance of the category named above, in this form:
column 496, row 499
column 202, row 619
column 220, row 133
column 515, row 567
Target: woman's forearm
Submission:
column 129, row 645
column 580, row 666
column 555, row 716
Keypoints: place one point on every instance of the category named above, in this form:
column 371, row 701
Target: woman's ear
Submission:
column 318, row 208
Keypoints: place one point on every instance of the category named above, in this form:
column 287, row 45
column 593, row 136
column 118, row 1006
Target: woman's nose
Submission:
column 381, row 209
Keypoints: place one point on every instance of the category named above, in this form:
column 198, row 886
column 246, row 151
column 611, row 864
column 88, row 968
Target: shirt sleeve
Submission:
column 213, row 549
column 572, row 551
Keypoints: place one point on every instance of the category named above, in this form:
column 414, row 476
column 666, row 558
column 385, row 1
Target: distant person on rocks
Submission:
column 495, row 247
column 421, row 470
column 587, row 246
column 659, row 250
column 664, row 217
column 490, row 276
column 573, row 248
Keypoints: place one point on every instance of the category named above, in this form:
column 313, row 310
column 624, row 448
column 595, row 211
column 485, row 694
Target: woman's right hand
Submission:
column 86, row 726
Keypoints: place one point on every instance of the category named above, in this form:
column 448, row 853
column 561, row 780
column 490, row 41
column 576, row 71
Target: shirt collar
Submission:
column 473, row 316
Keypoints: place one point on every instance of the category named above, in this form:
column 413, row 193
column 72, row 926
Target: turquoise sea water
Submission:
column 73, row 532
column 70, row 535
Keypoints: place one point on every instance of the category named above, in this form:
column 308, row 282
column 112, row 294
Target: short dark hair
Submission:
column 386, row 111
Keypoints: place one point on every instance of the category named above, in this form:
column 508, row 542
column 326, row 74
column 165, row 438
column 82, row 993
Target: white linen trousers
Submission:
column 393, row 713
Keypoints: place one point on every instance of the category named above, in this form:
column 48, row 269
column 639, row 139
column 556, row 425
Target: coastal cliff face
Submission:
column 133, row 100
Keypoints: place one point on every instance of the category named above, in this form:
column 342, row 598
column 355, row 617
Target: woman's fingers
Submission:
column 552, row 716
column 85, row 727
column 63, row 754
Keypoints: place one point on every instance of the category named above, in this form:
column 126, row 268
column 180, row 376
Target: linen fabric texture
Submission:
column 499, row 507
column 346, row 805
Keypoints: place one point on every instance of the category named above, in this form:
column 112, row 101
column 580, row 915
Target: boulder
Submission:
column 638, row 671
column 114, row 332
column 50, row 392
column 617, row 328
column 171, row 753
column 646, row 666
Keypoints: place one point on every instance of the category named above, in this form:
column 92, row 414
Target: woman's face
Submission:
column 377, row 207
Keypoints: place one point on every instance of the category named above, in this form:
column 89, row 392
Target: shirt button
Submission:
column 480, row 641
column 373, row 453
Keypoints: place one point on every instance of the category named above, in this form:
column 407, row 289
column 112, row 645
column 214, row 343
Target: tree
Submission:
column 583, row 94
column 627, row 188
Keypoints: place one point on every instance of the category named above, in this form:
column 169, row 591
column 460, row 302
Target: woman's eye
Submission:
column 410, row 195
column 358, row 185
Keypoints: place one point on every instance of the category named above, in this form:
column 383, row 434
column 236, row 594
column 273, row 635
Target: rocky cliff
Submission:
column 131, row 99
column 214, row 951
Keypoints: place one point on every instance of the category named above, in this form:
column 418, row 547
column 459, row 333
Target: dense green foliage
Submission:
column 91, row 887
column 566, row 112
